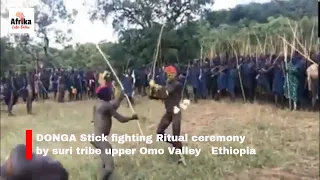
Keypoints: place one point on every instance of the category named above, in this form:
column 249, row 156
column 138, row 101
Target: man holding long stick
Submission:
column 102, row 120
column 171, row 94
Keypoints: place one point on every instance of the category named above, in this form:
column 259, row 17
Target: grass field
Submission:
column 287, row 143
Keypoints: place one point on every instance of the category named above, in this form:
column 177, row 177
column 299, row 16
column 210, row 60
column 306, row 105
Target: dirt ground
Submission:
column 286, row 143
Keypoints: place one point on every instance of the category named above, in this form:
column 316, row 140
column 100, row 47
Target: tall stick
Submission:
column 156, row 53
column 273, row 49
column 285, row 49
column 294, row 32
column 185, row 81
column 259, row 43
column 257, row 64
column 311, row 37
column 240, row 79
column 295, row 37
column 247, row 45
column 201, row 63
column 265, row 44
column 243, row 50
column 308, row 58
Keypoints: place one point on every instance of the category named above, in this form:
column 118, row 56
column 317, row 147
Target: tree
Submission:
column 256, row 31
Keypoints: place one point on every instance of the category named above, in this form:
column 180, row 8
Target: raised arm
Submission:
column 162, row 92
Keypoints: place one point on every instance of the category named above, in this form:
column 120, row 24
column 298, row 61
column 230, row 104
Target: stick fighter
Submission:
column 103, row 111
column 171, row 95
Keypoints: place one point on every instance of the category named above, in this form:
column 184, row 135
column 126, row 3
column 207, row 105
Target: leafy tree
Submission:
column 251, row 29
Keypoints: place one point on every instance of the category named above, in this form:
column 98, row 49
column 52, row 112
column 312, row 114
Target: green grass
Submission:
column 287, row 143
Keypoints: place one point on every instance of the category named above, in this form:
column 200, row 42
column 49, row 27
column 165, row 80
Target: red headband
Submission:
column 170, row 70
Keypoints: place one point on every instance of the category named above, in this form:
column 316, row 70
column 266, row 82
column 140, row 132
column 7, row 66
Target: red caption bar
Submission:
column 28, row 144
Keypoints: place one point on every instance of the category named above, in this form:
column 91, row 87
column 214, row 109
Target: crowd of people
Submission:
column 263, row 78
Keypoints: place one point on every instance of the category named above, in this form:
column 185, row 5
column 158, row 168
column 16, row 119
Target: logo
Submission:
column 21, row 20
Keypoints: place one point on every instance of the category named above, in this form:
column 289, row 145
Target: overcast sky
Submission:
column 84, row 31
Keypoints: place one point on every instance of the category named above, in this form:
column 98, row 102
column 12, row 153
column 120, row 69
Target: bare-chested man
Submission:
column 102, row 120
column 16, row 167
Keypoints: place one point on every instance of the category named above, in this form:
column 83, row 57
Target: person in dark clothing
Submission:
column 11, row 93
column 128, row 86
column 16, row 167
column 30, row 92
column 171, row 94
column 62, row 84
column 195, row 81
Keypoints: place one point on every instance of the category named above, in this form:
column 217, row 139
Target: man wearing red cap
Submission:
column 171, row 94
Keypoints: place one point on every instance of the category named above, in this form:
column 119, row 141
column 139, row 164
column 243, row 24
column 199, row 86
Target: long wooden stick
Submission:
column 285, row 49
column 249, row 45
column 185, row 81
column 311, row 37
column 243, row 50
column 294, row 32
column 265, row 44
column 273, row 49
column 240, row 79
column 259, row 43
column 308, row 58
column 297, row 39
column 120, row 84
column 156, row 53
